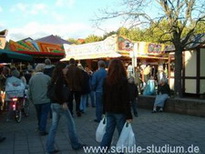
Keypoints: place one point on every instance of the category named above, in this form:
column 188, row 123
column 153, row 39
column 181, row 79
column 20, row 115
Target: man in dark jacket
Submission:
column 74, row 77
column 48, row 69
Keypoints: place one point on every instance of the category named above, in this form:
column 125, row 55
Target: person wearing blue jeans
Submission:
column 162, row 96
column 57, row 112
column 97, row 86
column 37, row 94
column 116, row 101
column 59, row 108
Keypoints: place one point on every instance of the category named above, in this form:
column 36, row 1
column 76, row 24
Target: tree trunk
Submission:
column 178, row 72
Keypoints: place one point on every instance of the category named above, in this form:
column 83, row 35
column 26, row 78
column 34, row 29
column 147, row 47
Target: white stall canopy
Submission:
column 111, row 47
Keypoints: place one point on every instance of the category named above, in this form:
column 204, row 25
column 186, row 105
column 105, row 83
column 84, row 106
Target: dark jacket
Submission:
column 164, row 89
column 48, row 70
column 116, row 98
column 86, row 84
column 133, row 91
column 61, row 93
column 74, row 78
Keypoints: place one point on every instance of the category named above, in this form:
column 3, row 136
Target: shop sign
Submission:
column 125, row 44
column 106, row 46
column 154, row 48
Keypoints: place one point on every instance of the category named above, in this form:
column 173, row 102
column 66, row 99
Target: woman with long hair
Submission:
column 116, row 103
column 59, row 108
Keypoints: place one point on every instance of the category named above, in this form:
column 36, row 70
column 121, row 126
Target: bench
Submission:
column 195, row 107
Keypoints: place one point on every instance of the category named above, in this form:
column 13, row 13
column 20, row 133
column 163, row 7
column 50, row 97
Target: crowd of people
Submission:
column 112, row 90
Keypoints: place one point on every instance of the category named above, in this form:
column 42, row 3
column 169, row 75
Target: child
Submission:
column 133, row 95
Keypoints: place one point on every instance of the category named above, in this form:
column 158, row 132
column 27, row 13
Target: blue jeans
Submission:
column 160, row 100
column 42, row 111
column 113, row 120
column 83, row 102
column 92, row 98
column 99, row 105
column 57, row 112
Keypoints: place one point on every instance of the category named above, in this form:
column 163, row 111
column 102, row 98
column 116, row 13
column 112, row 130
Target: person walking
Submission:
column 37, row 93
column 97, row 86
column 48, row 70
column 116, row 104
column 74, row 78
column 85, row 90
column 59, row 108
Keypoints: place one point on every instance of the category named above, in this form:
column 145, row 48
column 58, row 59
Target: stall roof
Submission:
column 114, row 46
column 7, row 56
column 111, row 47
column 53, row 39
column 195, row 41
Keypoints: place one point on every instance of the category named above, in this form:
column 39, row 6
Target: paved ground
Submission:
column 160, row 130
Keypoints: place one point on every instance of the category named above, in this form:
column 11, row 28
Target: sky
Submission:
column 40, row 18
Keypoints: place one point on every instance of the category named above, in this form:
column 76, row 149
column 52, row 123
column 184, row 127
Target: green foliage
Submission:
column 73, row 41
column 92, row 38
column 200, row 28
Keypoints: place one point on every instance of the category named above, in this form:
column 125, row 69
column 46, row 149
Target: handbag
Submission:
column 127, row 137
column 65, row 93
column 51, row 91
column 101, row 130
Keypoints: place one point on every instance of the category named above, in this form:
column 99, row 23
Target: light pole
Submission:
column 134, row 58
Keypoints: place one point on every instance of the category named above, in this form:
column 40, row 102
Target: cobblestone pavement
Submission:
column 153, row 131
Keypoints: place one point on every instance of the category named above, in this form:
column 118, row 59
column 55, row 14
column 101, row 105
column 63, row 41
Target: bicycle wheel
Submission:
column 18, row 115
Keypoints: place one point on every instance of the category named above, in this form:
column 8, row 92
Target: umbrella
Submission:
column 12, row 56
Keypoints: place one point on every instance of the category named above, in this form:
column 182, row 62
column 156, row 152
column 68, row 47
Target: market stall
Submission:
column 117, row 47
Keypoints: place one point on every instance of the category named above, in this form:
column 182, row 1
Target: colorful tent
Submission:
column 46, row 47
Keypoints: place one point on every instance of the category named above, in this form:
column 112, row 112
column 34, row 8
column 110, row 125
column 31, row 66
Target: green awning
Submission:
column 12, row 56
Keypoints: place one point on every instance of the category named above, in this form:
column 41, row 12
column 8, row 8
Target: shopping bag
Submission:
column 127, row 137
column 101, row 130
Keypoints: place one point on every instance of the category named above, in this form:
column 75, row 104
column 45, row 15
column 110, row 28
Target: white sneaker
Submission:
column 161, row 109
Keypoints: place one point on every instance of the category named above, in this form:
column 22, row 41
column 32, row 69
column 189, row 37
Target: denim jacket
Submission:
column 98, row 79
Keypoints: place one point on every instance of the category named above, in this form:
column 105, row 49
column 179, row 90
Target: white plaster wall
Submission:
column 190, row 63
column 190, row 86
column 202, row 62
column 202, row 86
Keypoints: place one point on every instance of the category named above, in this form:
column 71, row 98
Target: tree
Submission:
column 179, row 14
column 72, row 40
column 92, row 38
